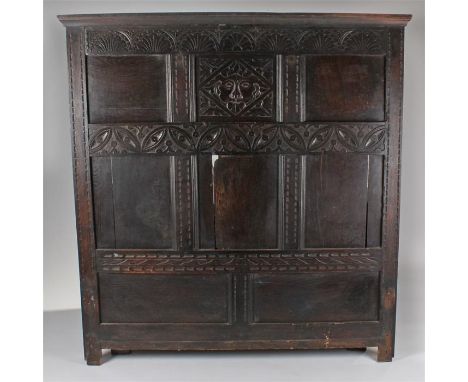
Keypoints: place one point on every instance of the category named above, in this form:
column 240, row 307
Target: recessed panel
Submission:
column 165, row 299
column 345, row 88
column 132, row 202
column 319, row 297
column 246, row 201
column 234, row 88
column 142, row 202
column 127, row 89
column 335, row 200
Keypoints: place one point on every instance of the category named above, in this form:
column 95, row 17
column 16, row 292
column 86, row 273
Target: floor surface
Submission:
column 63, row 361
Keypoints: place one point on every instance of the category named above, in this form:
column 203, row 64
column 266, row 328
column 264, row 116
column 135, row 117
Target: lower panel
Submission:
column 327, row 297
column 165, row 299
column 182, row 334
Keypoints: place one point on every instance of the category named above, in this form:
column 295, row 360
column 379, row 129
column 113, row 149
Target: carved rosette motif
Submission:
column 254, row 262
column 235, row 88
column 192, row 138
column 207, row 39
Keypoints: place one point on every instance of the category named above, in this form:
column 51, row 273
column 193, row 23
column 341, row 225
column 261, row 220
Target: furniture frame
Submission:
column 237, row 179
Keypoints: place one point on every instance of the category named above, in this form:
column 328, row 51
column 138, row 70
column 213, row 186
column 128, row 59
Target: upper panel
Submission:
column 127, row 89
column 345, row 88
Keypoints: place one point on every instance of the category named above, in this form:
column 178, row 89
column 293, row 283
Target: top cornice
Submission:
column 260, row 18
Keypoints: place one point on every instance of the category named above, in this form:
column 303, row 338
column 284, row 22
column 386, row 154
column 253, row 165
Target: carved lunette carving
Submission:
column 207, row 39
column 264, row 262
column 192, row 138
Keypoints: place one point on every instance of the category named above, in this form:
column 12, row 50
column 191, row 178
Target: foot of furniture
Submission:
column 117, row 352
column 384, row 353
column 94, row 357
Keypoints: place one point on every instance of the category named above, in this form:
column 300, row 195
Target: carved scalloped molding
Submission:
column 207, row 39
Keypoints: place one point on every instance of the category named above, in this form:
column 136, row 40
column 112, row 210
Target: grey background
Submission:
column 61, row 281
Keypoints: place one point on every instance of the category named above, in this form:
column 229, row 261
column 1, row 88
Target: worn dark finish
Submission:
column 150, row 299
column 245, row 202
column 126, row 89
column 133, row 217
column 336, row 200
column 345, row 88
column 236, row 179
column 325, row 297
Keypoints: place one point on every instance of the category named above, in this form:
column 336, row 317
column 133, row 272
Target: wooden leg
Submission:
column 116, row 352
column 385, row 350
column 384, row 353
column 357, row 349
column 94, row 357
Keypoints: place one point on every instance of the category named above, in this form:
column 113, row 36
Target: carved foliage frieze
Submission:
column 252, row 262
column 192, row 138
column 235, row 88
column 206, row 39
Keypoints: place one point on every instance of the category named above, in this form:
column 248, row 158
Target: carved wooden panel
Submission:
column 342, row 208
column 133, row 202
column 237, row 138
column 127, row 89
column 149, row 299
column 236, row 88
column 142, row 262
column 250, row 38
column 334, row 297
column 246, row 202
column 345, row 88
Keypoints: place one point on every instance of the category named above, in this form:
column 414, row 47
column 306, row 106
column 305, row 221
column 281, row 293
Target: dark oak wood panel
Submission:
column 246, row 197
column 142, row 202
column 127, row 89
column 345, row 88
column 149, row 299
column 236, row 179
column 335, row 200
column 330, row 297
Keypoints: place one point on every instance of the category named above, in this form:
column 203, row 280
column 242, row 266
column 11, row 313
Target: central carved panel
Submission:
column 235, row 88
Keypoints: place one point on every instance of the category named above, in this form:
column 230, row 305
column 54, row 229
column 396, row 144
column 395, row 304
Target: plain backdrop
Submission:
column 61, row 278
